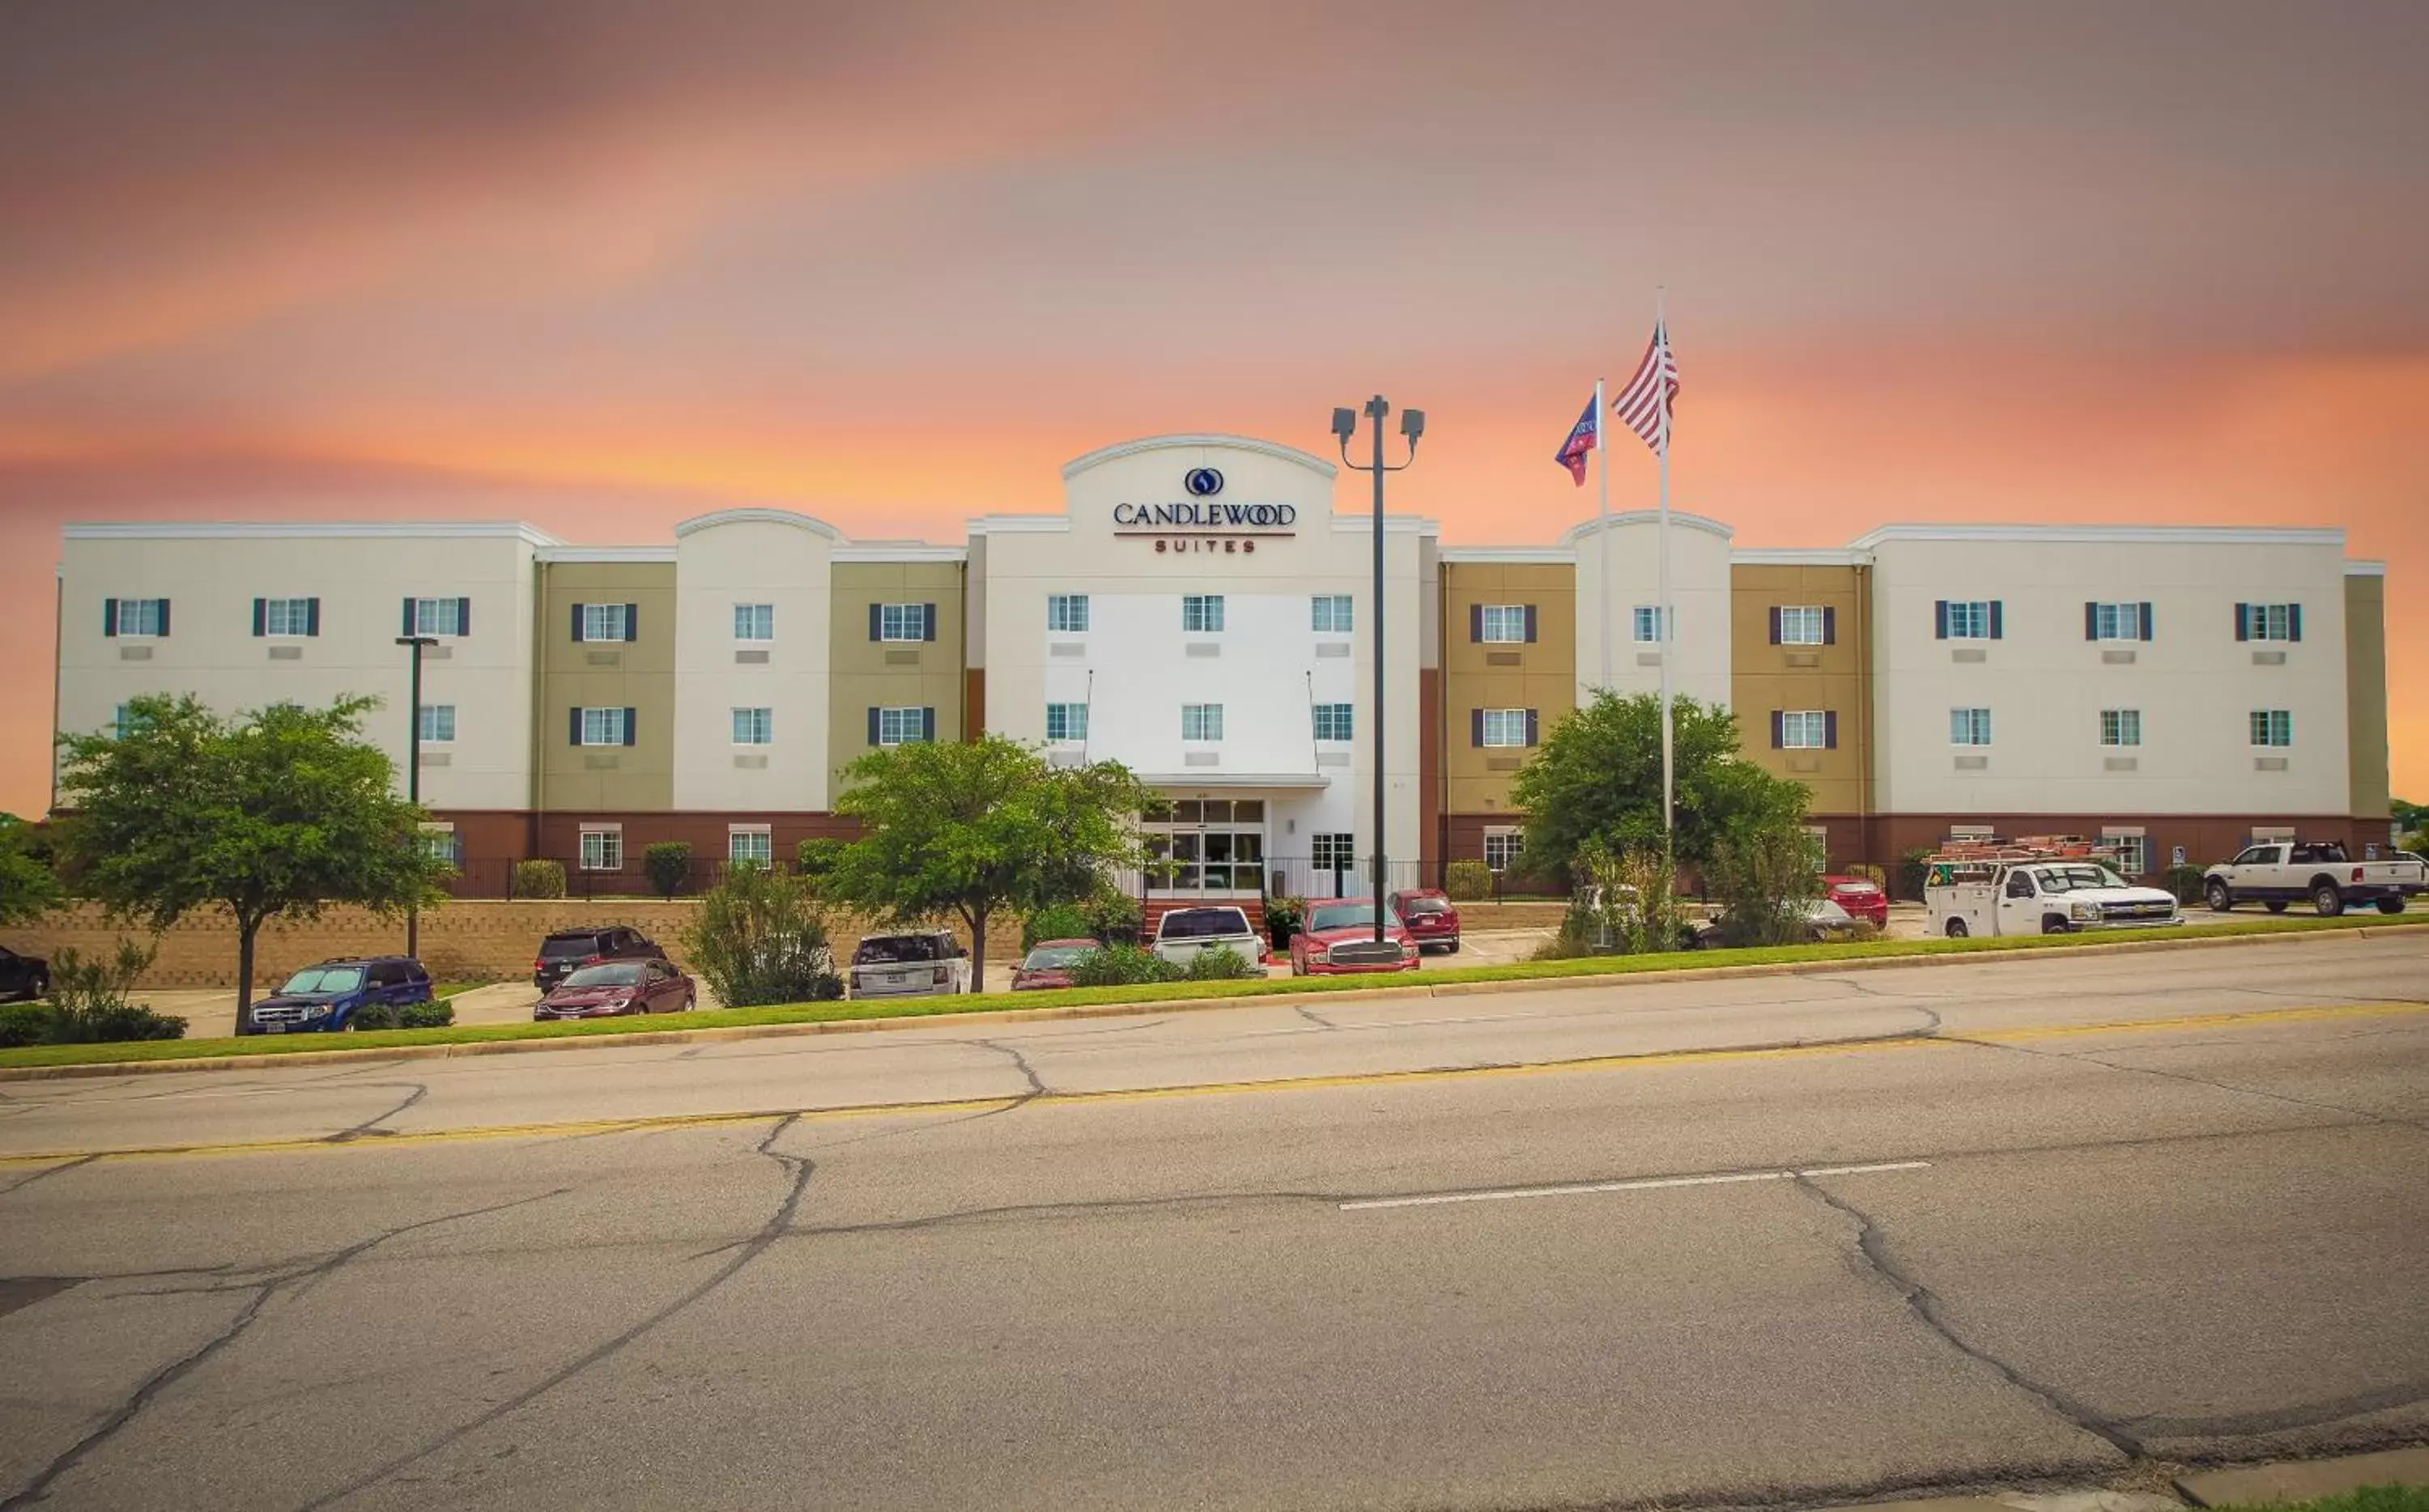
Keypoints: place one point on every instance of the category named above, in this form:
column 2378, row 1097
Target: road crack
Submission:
column 370, row 1125
column 23, row 1182
column 1037, row 1085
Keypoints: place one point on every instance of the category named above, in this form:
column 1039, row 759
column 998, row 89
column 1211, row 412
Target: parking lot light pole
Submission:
column 413, row 775
column 1344, row 426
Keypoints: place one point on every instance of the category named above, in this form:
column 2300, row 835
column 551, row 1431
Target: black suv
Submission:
column 568, row 950
column 22, row 975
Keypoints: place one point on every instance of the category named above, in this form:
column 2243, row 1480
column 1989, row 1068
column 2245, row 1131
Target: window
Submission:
column 443, row 846
column 2117, row 621
column 903, row 621
column 2120, row 727
column 290, row 617
column 1067, row 722
column 1201, row 721
column 1647, row 620
column 1202, row 612
column 123, row 722
column 1331, row 614
column 2133, row 854
column 1501, row 848
column 754, row 727
column 1329, row 851
column 438, row 723
column 1502, row 623
column 754, row 621
column 900, row 727
column 2268, row 621
column 606, row 621
column 139, row 617
column 440, row 616
column 1969, row 727
column 1503, row 727
column 603, row 850
column 1802, row 625
column 1066, row 614
column 1970, row 620
column 1333, row 721
column 2272, row 726
column 1804, row 729
column 606, row 726
column 749, row 846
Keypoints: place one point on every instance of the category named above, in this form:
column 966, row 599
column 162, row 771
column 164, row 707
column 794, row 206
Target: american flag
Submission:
column 1583, row 437
column 1645, row 403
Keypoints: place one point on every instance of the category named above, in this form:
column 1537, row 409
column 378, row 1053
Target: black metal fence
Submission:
column 496, row 878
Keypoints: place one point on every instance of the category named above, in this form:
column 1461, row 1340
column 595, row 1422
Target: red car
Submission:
column 1339, row 938
column 1431, row 916
column 1860, row 897
column 616, row 987
column 1048, row 963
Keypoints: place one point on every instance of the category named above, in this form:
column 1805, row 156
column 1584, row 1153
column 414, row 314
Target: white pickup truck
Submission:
column 2055, row 895
column 2319, row 870
column 1184, row 934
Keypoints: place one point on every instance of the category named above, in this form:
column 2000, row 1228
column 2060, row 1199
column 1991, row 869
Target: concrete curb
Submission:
column 1149, row 1008
column 2302, row 1480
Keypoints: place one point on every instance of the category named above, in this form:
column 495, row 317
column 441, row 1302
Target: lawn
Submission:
column 2369, row 1499
column 1597, row 966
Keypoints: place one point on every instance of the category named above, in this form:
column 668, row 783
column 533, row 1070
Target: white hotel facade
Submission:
column 1199, row 612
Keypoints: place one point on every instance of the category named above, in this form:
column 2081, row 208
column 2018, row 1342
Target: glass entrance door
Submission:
column 1206, row 846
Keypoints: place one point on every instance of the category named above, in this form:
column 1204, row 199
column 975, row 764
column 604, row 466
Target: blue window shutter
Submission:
column 463, row 616
column 2091, row 620
column 1940, row 620
column 628, row 725
column 1774, row 624
column 1829, row 626
column 577, row 621
column 164, row 620
column 1475, row 727
column 928, row 622
column 872, row 726
column 2293, row 621
column 631, row 621
column 877, row 621
column 572, row 725
column 927, row 724
column 1474, row 625
column 1998, row 618
column 312, row 616
column 260, row 617
column 2146, row 617
column 1533, row 730
column 408, row 617
column 1530, row 632
column 2243, row 621
column 1779, row 730
column 109, row 617
column 1830, row 729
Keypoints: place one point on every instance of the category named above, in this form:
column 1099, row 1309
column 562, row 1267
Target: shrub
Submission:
column 1123, row 965
column 1222, row 963
column 539, row 879
column 1762, row 875
column 1285, row 916
column 1870, row 873
column 1912, row 874
column 88, row 1002
column 668, row 865
column 402, row 1016
column 759, row 938
column 1116, row 917
column 1467, row 880
column 23, row 1023
column 2185, row 882
column 1061, row 921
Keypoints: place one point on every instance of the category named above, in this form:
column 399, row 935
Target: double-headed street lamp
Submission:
column 413, row 775
column 1344, row 426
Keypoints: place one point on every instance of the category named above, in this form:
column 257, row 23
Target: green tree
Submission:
column 969, row 830
column 274, row 814
column 1596, row 780
column 758, row 937
column 28, row 887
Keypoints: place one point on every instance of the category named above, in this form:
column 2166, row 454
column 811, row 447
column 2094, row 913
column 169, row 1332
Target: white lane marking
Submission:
column 1648, row 1184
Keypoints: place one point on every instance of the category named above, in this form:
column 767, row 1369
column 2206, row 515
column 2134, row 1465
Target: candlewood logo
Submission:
column 1205, row 514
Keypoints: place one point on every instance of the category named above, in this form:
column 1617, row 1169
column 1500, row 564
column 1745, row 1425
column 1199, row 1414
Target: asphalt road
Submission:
column 1539, row 1249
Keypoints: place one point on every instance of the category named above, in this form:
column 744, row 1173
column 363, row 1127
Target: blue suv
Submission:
column 325, row 997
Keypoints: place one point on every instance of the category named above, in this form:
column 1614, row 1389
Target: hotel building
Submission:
column 1200, row 611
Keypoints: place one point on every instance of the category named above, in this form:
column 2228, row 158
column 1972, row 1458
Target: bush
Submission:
column 1285, row 916
column 1912, row 873
column 2185, row 882
column 539, row 879
column 1116, row 916
column 1223, row 963
column 1062, row 921
column 759, row 938
column 402, row 1016
column 24, row 1024
column 1467, row 880
column 1870, row 873
column 88, row 1002
column 1762, row 877
column 1123, row 965
column 668, row 865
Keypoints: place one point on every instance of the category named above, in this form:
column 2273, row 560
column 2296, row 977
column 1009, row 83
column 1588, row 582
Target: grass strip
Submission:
column 2368, row 1499
column 56, row 1055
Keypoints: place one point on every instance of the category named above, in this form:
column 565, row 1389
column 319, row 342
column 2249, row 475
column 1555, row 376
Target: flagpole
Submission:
column 1669, row 632
column 1602, row 533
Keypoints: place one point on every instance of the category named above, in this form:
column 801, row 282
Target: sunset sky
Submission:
column 601, row 264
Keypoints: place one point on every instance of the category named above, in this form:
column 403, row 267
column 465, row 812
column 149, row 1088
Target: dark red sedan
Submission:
column 617, row 986
column 1431, row 916
column 1860, row 897
column 1048, row 963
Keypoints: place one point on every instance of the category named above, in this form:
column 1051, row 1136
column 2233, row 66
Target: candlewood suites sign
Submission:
column 1204, row 523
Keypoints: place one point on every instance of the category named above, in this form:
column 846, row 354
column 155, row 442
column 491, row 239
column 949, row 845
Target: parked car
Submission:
column 922, row 963
column 1826, row 920
column 568, row 950
column 26, row 977
column 2048, row 896
column 617, row 986
column 326, row 996
column 1048, row 963
column 1430, row 916
column 1860, row 897
column 1697, row 928
column 2320, row 870
column 1339, row 939
column 1182, row 936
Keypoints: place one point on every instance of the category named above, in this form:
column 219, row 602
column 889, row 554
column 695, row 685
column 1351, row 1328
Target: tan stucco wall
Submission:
column 2365, row 693
column 1541, row 676
column 883, row 674
column 1764, row 676
column 638, row 675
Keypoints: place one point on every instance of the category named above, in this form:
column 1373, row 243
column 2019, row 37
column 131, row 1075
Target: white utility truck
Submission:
column 2026, row 894
column 2289, row 871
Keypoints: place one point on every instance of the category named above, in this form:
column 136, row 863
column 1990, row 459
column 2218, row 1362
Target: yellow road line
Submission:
column 1642, row 1059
